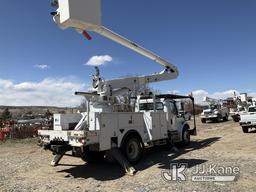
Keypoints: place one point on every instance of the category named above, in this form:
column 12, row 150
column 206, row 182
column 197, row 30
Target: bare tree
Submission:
column 83, row 104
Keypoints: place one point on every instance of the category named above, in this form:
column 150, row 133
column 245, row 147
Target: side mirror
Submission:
column 180, row 115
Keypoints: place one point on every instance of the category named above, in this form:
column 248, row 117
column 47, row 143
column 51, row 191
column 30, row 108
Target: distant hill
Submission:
column 18, row 111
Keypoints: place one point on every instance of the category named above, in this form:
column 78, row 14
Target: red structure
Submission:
column 4, row 132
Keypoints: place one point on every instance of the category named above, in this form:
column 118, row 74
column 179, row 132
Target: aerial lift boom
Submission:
column 85, row 15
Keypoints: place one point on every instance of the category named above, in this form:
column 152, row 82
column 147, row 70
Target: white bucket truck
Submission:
column 121, row 113
column 215, row 111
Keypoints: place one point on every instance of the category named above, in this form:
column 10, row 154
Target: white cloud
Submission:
column 48, row 92
column 175, row 92
column 99, row 60
column 60, row 92
column 200, row 94
column 43, row 67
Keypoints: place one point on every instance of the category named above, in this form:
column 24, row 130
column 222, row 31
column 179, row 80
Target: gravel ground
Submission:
column 25, row 167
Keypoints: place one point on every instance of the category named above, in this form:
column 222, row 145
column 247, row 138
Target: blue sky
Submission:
column 212, row 42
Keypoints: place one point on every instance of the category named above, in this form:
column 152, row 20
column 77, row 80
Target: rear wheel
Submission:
column 132, row 149
column 92, row 156
column 225, row 118
column 245, row 129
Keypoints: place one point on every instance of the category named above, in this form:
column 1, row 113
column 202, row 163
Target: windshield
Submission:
column 212, row 107
column 252, row 109
column 241, row 109
column 150, row 106
column 206, row 107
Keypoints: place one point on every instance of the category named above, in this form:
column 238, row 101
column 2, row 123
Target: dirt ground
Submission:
column 25, row 167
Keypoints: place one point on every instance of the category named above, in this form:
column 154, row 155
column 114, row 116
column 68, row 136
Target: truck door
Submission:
column 173, row 117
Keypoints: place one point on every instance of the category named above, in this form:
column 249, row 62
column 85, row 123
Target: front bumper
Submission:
column 208, row 117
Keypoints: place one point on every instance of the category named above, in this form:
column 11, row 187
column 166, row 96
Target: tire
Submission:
column 218, row 119
column 203, row 120
column 236, row 118
column 132, row 149
column 225, row 118
column 185, row 137
column 92, row 156
column 245, row 129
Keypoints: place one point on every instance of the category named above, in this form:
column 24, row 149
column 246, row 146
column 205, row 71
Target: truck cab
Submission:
column 164, row 105
column 248, row 120
column 236, row 113
column 214, row 112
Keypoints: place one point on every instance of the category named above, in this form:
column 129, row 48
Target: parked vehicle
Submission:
column 237, row 113
column 122, row 118
column 242, row 102
column 215, row 111
column 248, row 120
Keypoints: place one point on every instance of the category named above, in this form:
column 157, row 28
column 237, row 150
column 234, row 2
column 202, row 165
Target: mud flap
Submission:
column 193, row 132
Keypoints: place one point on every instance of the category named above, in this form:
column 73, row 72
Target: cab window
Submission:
column 252, row 109
column 173, row 108
column 150, row 106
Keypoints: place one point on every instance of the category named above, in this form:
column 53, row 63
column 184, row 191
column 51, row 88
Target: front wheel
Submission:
column 218, row 119
column 185, row 137
column 132, row 149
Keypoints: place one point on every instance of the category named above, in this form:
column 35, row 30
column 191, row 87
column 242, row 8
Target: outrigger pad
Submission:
column 56, row 160
column 129, row 169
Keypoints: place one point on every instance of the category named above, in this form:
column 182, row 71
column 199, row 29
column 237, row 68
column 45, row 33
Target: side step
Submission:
column 161, row 142
column 173, row 136
column 154, row 143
